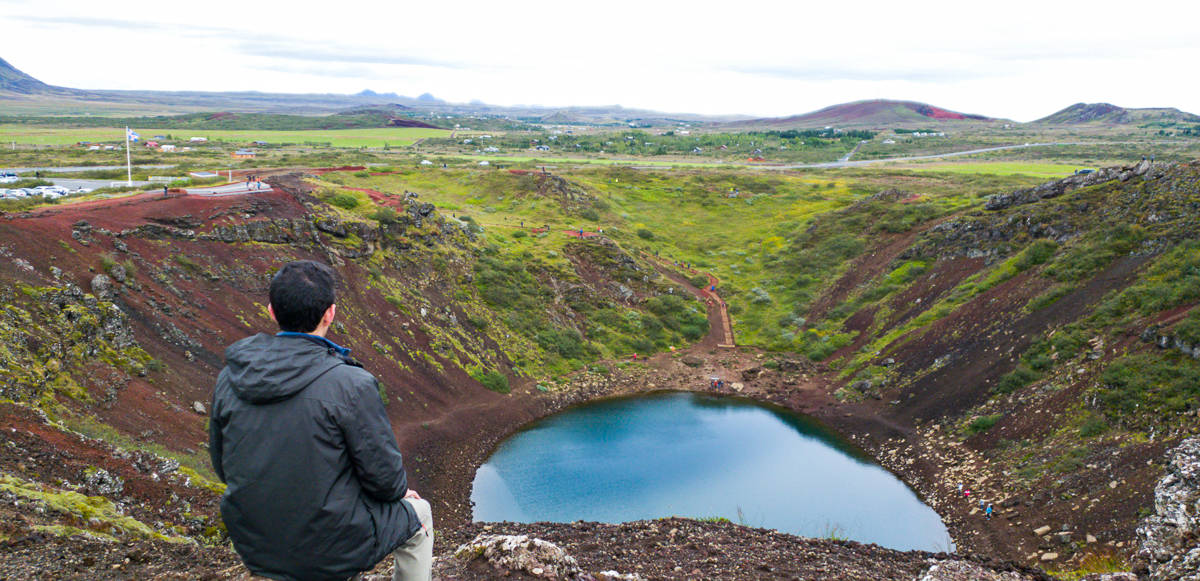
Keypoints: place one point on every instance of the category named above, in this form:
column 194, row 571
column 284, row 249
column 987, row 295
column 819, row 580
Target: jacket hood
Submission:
column 265, row 368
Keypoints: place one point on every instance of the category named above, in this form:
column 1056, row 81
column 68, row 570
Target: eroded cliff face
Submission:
column 1170, row 538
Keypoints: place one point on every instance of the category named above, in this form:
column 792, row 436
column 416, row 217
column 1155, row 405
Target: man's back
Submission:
column 315, row 480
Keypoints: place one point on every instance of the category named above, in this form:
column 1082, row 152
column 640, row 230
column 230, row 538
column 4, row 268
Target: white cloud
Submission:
column 1021, row 59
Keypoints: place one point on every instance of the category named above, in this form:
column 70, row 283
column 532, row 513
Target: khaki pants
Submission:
column 414, row 559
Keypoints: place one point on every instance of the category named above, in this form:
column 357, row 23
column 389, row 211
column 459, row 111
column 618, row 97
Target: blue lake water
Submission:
column 682, row 454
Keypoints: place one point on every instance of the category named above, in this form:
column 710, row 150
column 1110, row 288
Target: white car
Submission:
column 9, row 179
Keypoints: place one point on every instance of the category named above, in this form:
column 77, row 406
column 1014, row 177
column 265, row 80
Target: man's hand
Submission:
column 412, row 494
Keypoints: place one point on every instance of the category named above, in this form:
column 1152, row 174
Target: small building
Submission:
column 243, row 154
column 260, row 143
column 168, row 147
column 426, row 162
column 152, row 144
column 198, row 139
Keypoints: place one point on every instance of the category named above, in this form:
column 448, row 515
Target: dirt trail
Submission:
column 720, row 330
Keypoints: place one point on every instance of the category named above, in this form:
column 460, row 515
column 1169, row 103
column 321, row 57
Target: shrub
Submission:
column 520, row 234
column 1036, row 253
column 589, row 214
column 699, row 281
column 567, row 344
column 1018, row 378
column 492, row 379
column 645, row 234
column 1093, row 426
column 385, row 215
column 344, row 201
column 1148, row 385
column 983, row 424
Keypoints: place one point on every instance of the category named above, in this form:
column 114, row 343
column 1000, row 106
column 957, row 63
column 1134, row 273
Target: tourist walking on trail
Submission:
column 315, row 483
column 989, row 511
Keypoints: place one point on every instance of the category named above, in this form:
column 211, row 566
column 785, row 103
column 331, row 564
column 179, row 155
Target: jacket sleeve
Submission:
column 215, row 445
column 372, row 444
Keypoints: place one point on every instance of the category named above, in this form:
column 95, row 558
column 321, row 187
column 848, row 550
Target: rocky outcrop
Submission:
column 505, row 555
column 1170, row 538
column 1164, row 340
column 967, row 571
column 1060, row 187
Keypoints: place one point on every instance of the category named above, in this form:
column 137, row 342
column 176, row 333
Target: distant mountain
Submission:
column 14, row 81
column 1109, row 114
column 21, row 91
column 880, row 113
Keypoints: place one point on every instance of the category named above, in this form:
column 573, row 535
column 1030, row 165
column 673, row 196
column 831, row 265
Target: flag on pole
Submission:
column 131, row 135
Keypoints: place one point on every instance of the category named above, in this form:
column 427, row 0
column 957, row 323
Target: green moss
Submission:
column 84, row 508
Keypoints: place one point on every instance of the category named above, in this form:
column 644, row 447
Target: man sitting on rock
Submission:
column 316, row 484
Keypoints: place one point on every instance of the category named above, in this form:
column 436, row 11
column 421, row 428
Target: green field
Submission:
column 1000, row 168
column 373, row 137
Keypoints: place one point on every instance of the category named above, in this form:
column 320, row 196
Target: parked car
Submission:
column 9, row 179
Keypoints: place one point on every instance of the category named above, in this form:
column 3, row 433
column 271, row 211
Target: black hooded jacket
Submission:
column 315, row 479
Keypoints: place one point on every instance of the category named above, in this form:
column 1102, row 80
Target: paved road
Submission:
column 74, row 169
column 846, row 163
column 93, row 184
column 850, row 154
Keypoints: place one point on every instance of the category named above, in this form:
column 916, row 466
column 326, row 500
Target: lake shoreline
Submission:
column 456, row 455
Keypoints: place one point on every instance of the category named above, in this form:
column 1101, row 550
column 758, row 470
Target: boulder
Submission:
column 1167, row 538
column 955, row 570
column 118, row 273
column 692, row 361
column 102, row 482
column 520, row 553
column 102, row 287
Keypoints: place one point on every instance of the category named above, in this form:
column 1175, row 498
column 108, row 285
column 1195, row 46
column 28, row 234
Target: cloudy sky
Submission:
column 1018, row 59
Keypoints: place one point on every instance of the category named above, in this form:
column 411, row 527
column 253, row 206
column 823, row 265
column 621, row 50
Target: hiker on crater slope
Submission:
column 316, row 488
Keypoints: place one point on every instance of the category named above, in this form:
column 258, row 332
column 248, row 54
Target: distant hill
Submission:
column 1109, row 114
column 874, row 113
column 23, row 94
column 15, row 81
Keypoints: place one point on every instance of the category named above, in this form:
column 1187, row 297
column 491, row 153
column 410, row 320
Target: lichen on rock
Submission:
column 1170, row 538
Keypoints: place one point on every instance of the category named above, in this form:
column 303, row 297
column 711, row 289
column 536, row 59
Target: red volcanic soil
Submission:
column 939, row 113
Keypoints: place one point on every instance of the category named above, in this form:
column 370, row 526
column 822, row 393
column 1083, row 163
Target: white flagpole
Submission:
column 128, row 162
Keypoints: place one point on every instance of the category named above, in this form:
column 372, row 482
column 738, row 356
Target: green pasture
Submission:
column 370, row 137
column 1000, row 168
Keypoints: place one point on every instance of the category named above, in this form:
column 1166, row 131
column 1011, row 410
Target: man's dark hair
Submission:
column 301, row 292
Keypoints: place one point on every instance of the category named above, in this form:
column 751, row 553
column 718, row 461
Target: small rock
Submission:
column 198, row 407
column 1049, row 556
column 1041, row 530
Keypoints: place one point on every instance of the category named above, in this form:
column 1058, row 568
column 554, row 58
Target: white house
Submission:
column 168, row 147
column 426, row 162
column 198, row 139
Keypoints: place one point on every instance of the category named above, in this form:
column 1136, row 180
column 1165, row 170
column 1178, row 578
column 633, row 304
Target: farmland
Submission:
column 368, row 137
